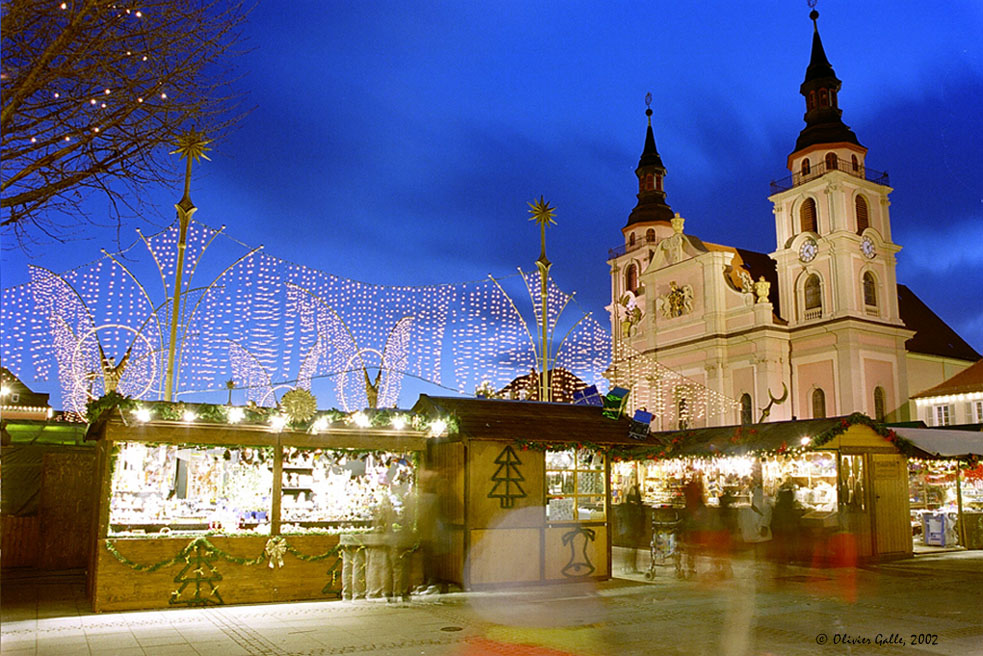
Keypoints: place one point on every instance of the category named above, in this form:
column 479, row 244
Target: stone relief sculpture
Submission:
column 677, row 302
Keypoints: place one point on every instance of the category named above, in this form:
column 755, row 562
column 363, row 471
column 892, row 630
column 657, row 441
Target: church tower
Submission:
column 648, row 224
column 836, row 262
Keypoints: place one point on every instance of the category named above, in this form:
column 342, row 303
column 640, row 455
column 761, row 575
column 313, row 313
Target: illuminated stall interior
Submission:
column 234, row 495
column 842, row 472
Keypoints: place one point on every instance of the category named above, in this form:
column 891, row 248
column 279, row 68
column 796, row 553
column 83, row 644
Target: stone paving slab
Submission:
column 759, row 611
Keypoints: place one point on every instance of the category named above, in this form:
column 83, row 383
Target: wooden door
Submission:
column 65, row 509
column 892, row 522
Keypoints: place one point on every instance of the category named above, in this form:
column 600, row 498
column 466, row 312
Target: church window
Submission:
column 823, row 98
column 863, row 220
column 631, row 278
column 649, row 182
column 832, row 163
column 811, row 101
column 682, row 414
column 805, row 166
column 879, row 403
column 650, row 235
column 818, row 403
column 658, row 183
column 856, row 162
column 631, row 239
column 942, row 416
column 813, row 293
column 870, row 290
column 807, row 216
column 746, row 412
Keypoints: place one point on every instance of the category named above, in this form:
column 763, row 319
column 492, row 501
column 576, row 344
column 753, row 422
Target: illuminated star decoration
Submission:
column 542, row 213
column 192, row 145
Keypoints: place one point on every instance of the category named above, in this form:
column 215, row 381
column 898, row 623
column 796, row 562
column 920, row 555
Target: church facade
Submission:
column 820, row 327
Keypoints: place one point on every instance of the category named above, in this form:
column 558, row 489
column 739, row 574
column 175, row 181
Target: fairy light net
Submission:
column 266, row 325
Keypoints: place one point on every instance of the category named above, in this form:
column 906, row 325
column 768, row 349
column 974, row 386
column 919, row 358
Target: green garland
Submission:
column 210, row 413
column 96, row 408
column 183, row 554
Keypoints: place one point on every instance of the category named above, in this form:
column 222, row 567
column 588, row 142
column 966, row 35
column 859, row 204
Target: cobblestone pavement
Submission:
column 935, row 600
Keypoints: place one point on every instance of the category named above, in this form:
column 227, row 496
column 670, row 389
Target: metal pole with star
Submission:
column 192, row 145
column 542, row 214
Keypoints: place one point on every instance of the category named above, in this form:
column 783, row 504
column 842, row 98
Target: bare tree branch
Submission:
column 94, row 92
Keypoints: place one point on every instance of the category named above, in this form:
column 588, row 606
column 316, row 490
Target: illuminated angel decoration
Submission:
column 630, row 314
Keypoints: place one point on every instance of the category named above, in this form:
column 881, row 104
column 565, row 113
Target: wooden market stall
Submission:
column 848, row 476
column 946, row 487
column 197, row 513
column 527, row 497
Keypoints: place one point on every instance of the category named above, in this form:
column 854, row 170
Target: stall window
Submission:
column 818, row 403
column 189, row 488
column 575, row 485
column 851, row 483
column 329, row 488
column 978, row 407
column 942, row 416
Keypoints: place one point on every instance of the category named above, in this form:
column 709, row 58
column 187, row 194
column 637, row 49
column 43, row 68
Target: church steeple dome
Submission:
column 820, row 88
column 651, row 204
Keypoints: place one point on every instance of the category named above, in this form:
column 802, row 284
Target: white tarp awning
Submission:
column 942, row 442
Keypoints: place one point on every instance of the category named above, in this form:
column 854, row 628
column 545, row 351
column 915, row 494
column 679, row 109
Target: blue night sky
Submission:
column 398, row 143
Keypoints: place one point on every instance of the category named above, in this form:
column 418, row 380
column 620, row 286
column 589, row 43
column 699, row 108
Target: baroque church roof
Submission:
column 822, row 117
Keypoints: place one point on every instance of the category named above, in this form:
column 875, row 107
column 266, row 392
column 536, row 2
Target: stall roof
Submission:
column 944, row 443
column 753, row 437
column 500, row 419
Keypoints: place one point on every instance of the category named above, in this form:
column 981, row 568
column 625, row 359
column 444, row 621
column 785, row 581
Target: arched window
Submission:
column 658, row 183
column 682, row 413
column 870, row 290
column 649, row 182
column 813, row 293
column 832, row 163
column 631, row 239
column 863, row 220
column 818, row 403
column 811, row 100
column 631, row 278
column 650, row 234
column 807, row 216
column 879, row 403
column 805, row 166
column 747, row 415
column 823, row 98
column 856, row 162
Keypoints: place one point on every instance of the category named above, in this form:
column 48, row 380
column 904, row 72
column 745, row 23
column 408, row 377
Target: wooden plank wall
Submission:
column 19, row 540
column 65, row 509
column 119, row 587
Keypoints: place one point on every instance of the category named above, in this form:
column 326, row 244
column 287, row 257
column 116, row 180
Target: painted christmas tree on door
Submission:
column 507, row 479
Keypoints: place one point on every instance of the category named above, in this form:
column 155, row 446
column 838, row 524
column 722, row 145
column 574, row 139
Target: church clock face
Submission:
column 867, row 248
column 808, row 250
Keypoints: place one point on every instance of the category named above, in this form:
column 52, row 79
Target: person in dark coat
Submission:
column 785, row 527
column 634, row 526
